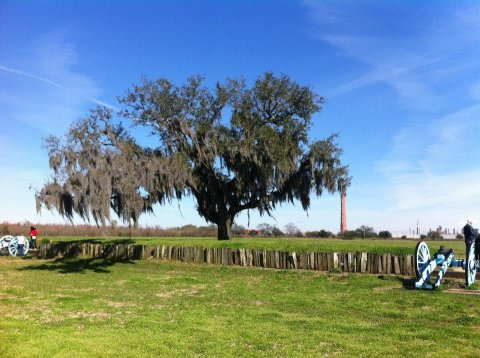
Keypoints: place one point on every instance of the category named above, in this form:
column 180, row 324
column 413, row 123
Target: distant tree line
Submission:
column 261, row 230
column 113, row 230
column 291, row 230
column 365, row 232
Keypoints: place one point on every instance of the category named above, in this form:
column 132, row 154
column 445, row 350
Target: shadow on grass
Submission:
column 407, row 282
column 77, row 265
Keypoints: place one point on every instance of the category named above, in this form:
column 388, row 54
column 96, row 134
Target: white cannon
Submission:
column 9, row 245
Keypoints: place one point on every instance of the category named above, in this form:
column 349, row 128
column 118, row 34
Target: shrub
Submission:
column 265, row 228
column 349, row 235
column 385, row 234
column 238, row 230
column 433, row 235
column 291, row 229
column 321, row 233
column 277, row 232
column 298, row 234
column 365, row 232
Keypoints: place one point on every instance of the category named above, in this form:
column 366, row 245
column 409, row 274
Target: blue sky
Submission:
column 401, row 79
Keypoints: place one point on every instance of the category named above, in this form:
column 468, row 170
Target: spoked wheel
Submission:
column 471, row 269
column 26, row 247
column 5, row 240
column 12, row 247
column 422, row 258
column 4, row 244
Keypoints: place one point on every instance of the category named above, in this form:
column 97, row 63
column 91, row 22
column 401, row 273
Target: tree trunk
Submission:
column 224, row 226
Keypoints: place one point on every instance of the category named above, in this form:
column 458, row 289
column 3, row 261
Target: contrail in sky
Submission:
column 101, row 103
column 55, row 84
column 38, row 78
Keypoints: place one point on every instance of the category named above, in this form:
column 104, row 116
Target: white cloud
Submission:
column 446, row 144
column 17, row 190
column 433, row 168
column 44, row 90
column 430, row 59
column 418, row 61
column 41, row 93
column 475, row 90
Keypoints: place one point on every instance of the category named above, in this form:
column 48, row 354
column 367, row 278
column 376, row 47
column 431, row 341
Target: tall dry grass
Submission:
column 7, row 228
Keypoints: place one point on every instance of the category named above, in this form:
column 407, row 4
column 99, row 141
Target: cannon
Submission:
column 425, row 264
column 9, row 245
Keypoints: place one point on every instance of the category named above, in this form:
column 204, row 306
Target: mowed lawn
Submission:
column 393, row 246
column 98, row 308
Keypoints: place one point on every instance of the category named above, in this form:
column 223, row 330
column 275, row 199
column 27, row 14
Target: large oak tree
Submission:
column 231, row 147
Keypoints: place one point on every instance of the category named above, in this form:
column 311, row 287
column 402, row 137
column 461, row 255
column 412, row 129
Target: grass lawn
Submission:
column 398, row 247
column 99, row 308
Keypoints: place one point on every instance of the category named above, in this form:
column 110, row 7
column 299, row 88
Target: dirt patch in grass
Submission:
column 39, row 312
column 460, row 291
column 7, row 261
column 115, row 304
column 341, row 278
column 388, row 288
column 193, row 290
column 88, row 289
column 62, row 295
column 89, row 315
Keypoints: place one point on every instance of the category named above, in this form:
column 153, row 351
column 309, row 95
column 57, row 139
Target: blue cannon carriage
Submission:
column 9, row 245
column 425, row 264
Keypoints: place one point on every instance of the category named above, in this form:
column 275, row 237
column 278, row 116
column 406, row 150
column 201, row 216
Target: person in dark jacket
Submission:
column 477, row 250
column 471, row 235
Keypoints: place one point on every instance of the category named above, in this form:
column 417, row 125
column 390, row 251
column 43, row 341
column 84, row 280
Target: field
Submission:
column 100, row 308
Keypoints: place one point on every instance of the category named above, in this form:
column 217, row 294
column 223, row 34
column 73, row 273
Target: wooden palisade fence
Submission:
column 362, row 262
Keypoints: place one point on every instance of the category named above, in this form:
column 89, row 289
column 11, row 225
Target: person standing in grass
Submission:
column 21, row 245
column 471, row 235
column 477, row 250
column 33, row 236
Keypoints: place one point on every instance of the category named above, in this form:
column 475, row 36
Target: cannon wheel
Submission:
column 26, row 247
column 13, row 247
column 4, row 244
column 422, row 257
column 471, row 269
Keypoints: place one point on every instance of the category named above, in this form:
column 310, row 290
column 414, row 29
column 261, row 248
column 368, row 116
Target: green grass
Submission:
column 100, row 308
column 398, row 247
